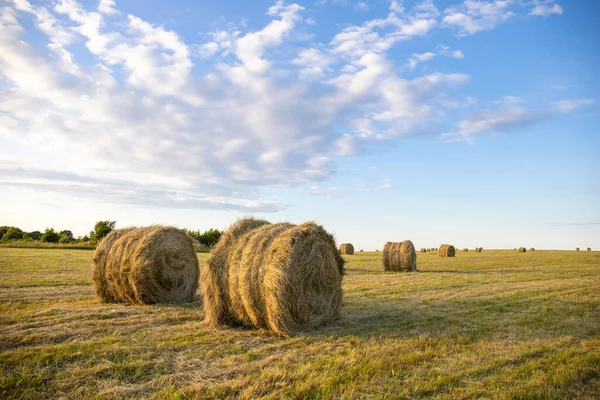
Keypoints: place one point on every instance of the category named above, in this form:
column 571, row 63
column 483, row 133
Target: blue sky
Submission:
column 466, row 122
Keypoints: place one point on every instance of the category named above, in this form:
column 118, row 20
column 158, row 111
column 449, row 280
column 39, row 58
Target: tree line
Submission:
column 101, row 229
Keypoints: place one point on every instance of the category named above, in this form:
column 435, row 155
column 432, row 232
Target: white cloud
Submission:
column 473, row 16
column 361, row 6
column 107, row 7
column 385, row 184
column 458, row 54
column 417, row 58
column 545, row 9
column 568, row 106
column 136, row 119
column 509, row 116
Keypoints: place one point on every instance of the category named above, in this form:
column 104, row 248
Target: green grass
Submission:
column 499, row 324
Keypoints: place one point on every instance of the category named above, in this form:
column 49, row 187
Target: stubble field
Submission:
column 497, row 324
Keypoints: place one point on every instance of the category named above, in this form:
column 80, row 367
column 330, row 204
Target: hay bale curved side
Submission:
column 408, row 256
column 399, row 256
column 385, row 257
column 99, row 277
column 155, row 264
column 215, row 274
column 522, row 250
column 446, row 250
column 346, row 248
column 280, row 277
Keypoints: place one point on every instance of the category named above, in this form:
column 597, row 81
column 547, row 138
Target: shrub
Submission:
column 50, row 236
column 12, row 233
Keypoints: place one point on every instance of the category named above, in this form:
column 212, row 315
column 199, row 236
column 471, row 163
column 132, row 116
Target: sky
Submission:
column 472, row 122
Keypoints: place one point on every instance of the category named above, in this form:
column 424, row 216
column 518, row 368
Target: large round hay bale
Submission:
column 347, row 248
column 154, row 264
column 532, row 249
column 423, row 250
column 280, row 277
column 446, row 250
column 399, row 257
column 465, row 250
column 522, row 250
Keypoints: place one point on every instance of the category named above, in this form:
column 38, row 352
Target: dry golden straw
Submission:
column 154, row 264
column 347, row 248
column 399, row 256
column 446, row 250
column 280, row 277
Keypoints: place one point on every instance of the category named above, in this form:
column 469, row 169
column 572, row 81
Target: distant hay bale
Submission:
column 347, row 248
column 522, row 250
column 377, row 250
column 532, row 249
column 361, row 250
column 478, row 249
column 589, row 249
column 446, row 250
column 399, row 257
column 465, row 250
column 281, row 277
column 423, row 250
column 155, row 264
column 577, row 249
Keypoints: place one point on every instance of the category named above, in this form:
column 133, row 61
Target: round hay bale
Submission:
column 347, row 248
column 478, row 249
column 532, row 249
column 377, row 251
column 589, row 249
column 522, row 250
column 361, row 250
column 280, row 277
column 465, row 250
column 154, row 264
column 577, row 249
column 423, row 250
column 399, row 257
column 446, row 250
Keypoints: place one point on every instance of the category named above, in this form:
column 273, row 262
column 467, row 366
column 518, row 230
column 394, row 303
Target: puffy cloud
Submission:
column 472, row 16
column 107, row 7
column 140, row 122
column 546, row 8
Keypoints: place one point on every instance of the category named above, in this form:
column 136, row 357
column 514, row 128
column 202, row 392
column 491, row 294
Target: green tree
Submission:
column 35, row 235
column 82, row 239
column 13, row 233
column 208, row 238
column 3, row 230
column 64, row 239
column 50, row 236
column 68, row 234
column 101, row 229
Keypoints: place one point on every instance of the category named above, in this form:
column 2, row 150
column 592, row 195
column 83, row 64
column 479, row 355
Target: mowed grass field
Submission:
column 499, row 324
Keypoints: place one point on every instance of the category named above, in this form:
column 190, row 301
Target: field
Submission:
column 497, row 324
